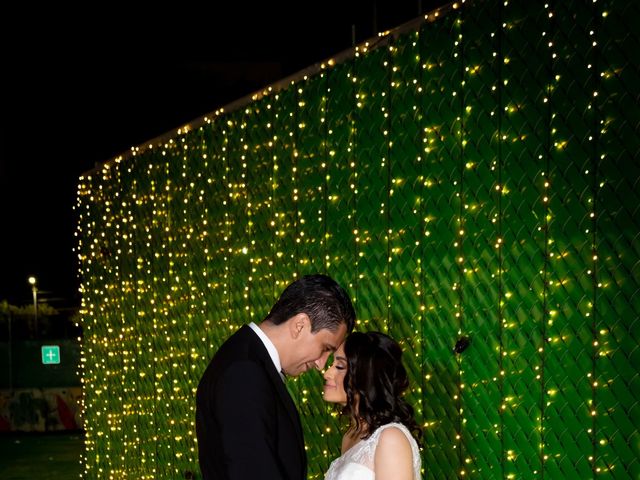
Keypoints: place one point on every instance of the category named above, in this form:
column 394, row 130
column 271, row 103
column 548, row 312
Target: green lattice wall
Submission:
column 474, row 174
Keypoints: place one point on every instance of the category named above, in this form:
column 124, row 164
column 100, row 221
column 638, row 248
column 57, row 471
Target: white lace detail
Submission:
column 358, row 462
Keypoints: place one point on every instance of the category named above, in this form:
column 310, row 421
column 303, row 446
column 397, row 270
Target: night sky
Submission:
column 79, row 88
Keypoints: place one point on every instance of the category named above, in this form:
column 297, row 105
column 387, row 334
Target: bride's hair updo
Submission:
column 375, row 382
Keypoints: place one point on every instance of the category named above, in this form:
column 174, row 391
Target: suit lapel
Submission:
column 285, row 396
column 280, row 387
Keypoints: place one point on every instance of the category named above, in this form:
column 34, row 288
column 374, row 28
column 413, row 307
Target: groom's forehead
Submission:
column 330, row 341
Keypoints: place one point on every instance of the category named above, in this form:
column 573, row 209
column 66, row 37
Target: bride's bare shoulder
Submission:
column 393, row 458
column 394, row 437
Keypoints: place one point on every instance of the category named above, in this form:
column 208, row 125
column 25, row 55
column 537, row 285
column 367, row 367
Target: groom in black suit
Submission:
column 247, row 424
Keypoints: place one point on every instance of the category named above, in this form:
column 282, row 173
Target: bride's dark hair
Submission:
column 375, row 382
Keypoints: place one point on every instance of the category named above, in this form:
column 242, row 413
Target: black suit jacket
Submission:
column 246, row 422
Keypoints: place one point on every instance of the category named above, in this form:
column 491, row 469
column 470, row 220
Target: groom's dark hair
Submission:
column 321, row 298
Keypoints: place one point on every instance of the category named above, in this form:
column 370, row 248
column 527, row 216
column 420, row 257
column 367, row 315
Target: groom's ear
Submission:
column 298, row 324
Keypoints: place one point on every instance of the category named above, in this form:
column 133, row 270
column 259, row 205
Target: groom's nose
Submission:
column 322, row 361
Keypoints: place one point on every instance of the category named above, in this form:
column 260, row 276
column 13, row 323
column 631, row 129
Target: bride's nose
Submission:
column 326, row 375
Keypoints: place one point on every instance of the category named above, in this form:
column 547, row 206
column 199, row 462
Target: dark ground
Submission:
column 31, row 456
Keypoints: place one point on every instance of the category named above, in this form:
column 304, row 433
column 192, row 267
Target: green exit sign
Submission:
column 50, row 354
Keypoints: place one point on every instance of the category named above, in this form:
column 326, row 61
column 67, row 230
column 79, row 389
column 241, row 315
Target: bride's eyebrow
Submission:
column 338, row 357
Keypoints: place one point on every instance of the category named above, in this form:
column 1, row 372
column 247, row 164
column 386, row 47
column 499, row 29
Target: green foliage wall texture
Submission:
column 474, row 174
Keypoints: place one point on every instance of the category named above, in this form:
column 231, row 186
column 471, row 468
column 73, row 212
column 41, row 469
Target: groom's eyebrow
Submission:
column 330, row 348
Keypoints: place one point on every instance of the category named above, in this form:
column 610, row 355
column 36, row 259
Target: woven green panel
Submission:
column 442, row 150
column 480, row 247
column 471, row 178
column 260, row 178
column 522, row 218
column 405, row 209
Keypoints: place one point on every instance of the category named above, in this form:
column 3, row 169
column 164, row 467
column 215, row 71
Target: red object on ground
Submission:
column 67, row 418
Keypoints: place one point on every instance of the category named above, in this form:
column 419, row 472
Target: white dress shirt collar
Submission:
column 271, row 348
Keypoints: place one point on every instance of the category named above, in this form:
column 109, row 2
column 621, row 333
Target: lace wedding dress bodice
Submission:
column 357, row 463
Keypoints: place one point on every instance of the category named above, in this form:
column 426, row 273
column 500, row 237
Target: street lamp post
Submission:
column 34, row 289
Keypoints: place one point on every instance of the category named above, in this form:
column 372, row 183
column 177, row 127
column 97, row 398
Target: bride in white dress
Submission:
column 368, row 379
